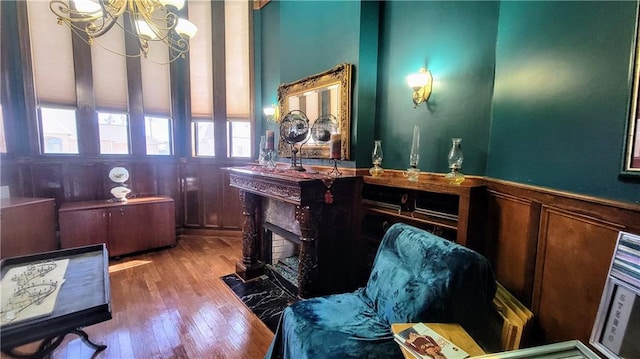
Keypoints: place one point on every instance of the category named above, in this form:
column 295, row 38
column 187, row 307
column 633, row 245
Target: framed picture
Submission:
column 632, row 148
column 572, row 349
column 617, row 326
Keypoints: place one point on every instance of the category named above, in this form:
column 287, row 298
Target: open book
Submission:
column 424, row 343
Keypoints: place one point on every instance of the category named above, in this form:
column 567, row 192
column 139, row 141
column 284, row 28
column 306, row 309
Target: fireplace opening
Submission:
column 281, row 249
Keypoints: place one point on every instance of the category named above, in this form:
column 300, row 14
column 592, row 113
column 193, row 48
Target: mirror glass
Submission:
column 327, row 93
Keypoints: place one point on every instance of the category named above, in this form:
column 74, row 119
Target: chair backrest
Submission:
column 420, row 277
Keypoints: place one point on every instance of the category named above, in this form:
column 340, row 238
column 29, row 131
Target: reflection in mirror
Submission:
column 320, row 96
column 632, row 155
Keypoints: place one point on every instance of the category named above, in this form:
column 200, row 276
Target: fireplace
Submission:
column 312, row 211
column 283, row 257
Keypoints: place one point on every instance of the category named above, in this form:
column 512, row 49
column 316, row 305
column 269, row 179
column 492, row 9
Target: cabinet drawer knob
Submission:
column 121, row 212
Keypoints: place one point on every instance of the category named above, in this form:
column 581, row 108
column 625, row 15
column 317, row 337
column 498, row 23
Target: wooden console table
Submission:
column 84, row 299
column 27, row 226
column 126, row 227
column 313, row 209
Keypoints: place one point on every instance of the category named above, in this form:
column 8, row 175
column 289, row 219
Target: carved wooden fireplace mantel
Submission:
column 317, row 210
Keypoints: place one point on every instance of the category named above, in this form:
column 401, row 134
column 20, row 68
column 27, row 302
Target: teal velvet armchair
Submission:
column 416, row 277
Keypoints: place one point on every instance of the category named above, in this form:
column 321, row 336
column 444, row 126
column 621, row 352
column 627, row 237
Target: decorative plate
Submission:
column 119, row 174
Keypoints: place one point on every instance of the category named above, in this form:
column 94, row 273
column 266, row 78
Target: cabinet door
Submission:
column 140, row 227
column 82, row 228
column 161, row 228
column 127, row 230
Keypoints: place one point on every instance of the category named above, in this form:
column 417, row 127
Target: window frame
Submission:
column 41, row 134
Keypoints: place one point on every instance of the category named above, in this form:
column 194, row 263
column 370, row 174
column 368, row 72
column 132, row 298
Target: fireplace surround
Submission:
column 312, row 210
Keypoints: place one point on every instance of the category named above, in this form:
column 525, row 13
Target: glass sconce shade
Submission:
column 420, row 83
column 416, row 81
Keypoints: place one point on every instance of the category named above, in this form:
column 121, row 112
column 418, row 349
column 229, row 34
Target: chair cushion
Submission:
column 335, row 326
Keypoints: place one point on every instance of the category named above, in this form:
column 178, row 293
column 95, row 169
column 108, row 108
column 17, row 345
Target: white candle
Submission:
column 415, row 147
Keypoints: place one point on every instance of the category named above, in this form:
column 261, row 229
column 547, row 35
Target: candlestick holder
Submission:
column 335, row 172
column 270, row 159
column 412, row 174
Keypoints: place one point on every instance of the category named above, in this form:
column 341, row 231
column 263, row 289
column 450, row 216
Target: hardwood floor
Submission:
column 171, row 304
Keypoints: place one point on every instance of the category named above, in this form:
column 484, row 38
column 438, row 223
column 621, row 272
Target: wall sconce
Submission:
column 272, row 113
column 421, row 85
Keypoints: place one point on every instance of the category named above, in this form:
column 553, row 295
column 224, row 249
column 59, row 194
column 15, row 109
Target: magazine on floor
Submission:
column 424, row 343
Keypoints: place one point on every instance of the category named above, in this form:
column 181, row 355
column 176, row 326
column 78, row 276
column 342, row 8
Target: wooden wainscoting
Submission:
column 572, row 265
column 512, row 242
column 552, row 250
column 199, row 188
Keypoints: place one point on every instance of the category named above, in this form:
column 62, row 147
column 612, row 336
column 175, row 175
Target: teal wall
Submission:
column 561, row 96
column 537, row 90
column 456, row 41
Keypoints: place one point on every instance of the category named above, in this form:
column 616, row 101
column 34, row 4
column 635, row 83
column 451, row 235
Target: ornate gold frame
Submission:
column 339, row 75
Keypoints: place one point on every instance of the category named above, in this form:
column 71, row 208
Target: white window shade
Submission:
column 155, row 80
column 237, row 64
column 110, row 71
column 200, row 60
column 52, row 56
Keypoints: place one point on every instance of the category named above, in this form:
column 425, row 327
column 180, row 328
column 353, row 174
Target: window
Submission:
column 118, row 109
column 204, row 141
column 240, row 138
column 158, row 135
column 206, row 112
column 114, row 133
column 59, row 131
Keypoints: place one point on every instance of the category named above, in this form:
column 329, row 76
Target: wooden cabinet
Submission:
column 455, row 212
column 28, row 225
column 137, row 225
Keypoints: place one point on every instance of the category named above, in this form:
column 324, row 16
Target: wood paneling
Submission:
column 209, row 200
column 574, row 256
column 552, row 249
column 513, row 245
column 200, row 189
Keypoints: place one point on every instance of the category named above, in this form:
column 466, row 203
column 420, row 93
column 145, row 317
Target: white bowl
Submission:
column 120, row 193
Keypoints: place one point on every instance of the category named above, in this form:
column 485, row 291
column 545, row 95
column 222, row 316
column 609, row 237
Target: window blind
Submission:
column 237, row 66
column 110, row 71
column 200, row 60
column 52, row 56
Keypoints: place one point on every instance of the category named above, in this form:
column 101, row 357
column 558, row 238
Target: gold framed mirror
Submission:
column 326, row 93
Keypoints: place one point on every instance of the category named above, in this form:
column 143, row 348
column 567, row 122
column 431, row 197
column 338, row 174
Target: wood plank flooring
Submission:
column 171, row 304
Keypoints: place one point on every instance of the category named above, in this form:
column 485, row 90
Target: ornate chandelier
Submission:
column 146, row 20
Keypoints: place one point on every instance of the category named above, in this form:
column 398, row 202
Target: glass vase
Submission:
column 376, row 158
column 262, row 160
column 413, row 172
column 455, row 159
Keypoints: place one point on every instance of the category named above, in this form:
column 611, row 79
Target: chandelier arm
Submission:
column 95, row 22
column 65, row 13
